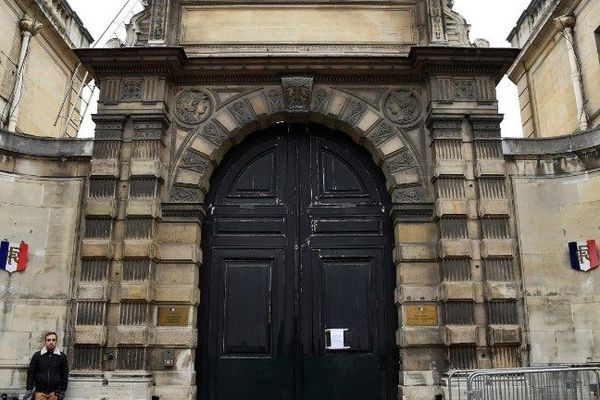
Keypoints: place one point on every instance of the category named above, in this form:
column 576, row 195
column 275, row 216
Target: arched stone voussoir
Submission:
column 229, row 125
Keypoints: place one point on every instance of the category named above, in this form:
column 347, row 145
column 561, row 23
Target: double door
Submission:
column 297, row 280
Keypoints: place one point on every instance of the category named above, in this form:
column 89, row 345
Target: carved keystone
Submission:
column 297, row 92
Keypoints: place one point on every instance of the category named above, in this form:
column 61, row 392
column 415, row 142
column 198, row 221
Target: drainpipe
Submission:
column 566, row 23
column 29, row 28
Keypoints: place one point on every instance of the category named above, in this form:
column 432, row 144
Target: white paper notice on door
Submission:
column 334, row 339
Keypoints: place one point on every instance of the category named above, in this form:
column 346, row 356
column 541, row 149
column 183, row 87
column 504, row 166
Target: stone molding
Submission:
column 387, row 141
column 531, row 148
column 36, row 146
column 570, row 154
column 416, row 67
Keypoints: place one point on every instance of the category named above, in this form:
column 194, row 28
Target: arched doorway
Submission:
column 297, row 281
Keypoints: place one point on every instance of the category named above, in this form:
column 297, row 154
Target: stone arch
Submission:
column 232, row 120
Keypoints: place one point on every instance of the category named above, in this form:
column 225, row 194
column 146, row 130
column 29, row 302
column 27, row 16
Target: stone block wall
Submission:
column 164, row 124
column 556, row 192
column 40, row 204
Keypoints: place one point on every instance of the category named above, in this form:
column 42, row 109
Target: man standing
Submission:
column 48, row 372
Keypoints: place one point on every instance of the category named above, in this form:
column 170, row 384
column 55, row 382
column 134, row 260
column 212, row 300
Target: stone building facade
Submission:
column 399, row 78
column 37, row 64
column 322, row 208
column 556, row 72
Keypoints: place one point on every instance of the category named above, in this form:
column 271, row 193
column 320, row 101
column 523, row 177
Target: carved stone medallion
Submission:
column 193, row 106
column 402, row 107
column 297, row 92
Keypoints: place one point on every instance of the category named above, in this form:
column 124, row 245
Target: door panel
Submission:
column 247, row 323
column 249, row 344
column 296, row 242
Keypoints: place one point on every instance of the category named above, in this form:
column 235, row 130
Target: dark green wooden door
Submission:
column 296, row 254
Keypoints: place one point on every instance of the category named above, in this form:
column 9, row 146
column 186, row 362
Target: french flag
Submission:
column 13, row 256
column 584, row 255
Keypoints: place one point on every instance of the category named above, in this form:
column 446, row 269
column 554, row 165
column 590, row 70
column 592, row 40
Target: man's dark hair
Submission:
column 50, row 333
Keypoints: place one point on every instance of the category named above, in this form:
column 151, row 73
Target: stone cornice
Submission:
column 174, row 63
column 51, row 148
column 539, row 148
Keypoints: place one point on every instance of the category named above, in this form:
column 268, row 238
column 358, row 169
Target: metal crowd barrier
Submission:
column 552, row 383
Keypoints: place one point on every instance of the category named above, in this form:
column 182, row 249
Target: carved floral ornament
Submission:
column 193, row 106
column 297, row 91
column 402, row 107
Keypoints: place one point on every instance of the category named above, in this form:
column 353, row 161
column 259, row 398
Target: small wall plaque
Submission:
column 173, row 315
column 421, row 315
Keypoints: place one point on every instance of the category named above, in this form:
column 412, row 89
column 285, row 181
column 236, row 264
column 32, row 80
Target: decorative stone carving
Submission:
column 297, row 91
column 353, row 111
column 321, row 101
column 402, row 107
column 486, row 128
column 242, row 112
column 400, row 161
column 415, row 194
column 464, row 90
column 148, row 130
column 381, row 133
column 193, row 106
column 436, row 20
column 185, row 194
column 194, row 161
column 446, row 128
column 274, row 100
column 158, row 20
column 215, row 133
column 106, row 130
column 131, row 90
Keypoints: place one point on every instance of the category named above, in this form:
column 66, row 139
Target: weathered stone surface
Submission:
column 450, row 168
column 136, row 291
column 422, row 336
column 487, row 207
column 445, row 207
column 140, row 248
column 101, row 208
column 177, row 294
column 501, row 290
column 144, row 207
column 93, row 291
column 131, row 335
column 490, row 168
column 105, row 167
column 455, row 248
column 94, row 335
column 415, row 252
column 175, row 336
column 96, row 248
column 180, row 252
column 461, row 291
column 416, row 293
column 147, row 168
column 497, row 248
column 505, row 334
column 459, row 334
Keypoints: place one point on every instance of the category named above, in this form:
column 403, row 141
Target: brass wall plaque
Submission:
column 421, row 315
column 173, row 315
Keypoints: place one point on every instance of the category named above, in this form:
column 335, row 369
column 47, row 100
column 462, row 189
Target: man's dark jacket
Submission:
column 48, row 372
